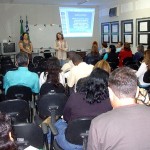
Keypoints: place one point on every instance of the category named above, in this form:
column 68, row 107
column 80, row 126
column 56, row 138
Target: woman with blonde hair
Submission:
column 103, row 64
column 145, row 66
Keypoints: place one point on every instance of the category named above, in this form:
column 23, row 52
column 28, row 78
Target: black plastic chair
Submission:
column 52, row 104
column 146, row 77
column 37, row 60
column 7, row 67
column 17, row 109
column 27, row 134
column 47, row 54
column 21, row 92
column 77, row 132
column 6, row 60
column 128, row 61
column 113, row 65
column 134, row 66
column 42, row 66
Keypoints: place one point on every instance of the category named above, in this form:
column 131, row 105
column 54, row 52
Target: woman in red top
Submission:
column 124, row 53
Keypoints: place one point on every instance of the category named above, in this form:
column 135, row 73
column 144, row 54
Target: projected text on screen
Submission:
column 77, row 22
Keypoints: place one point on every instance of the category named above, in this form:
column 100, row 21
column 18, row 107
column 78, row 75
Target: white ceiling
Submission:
column 56, row 2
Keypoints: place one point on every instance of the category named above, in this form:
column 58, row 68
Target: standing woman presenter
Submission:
column 61, row 48
column 25, row 45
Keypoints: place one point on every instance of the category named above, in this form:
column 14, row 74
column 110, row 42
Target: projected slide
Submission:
column 77, row 22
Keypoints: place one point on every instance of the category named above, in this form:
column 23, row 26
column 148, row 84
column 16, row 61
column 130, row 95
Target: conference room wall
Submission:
column 38, row 14
column 127, row 9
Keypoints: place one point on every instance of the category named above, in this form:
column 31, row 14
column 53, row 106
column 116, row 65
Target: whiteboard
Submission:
column 43, row 35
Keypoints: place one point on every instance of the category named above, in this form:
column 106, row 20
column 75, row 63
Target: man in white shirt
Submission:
column 69, row 65
column 80, row 70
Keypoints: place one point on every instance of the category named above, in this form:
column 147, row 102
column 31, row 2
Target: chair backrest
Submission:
column 133, row 66
column 6, row 60
column 37, row 60
column 47, row 53
column 27, row 134
column 113, row 65
column 7, row 67
column 17, row 109
column 20, row 92
column 146, row 77
column 52, row 101
column 76, row 128
column 128, row 61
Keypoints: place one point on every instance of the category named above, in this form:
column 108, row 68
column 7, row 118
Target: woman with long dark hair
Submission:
column 52, row 79
column 6, row 141
column 25, row 45
column 90, row 100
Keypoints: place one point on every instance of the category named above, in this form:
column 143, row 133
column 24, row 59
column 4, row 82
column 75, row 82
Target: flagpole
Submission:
column 21, row 27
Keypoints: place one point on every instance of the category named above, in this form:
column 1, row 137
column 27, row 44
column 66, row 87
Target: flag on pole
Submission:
column 21, row 27
column 27, row 27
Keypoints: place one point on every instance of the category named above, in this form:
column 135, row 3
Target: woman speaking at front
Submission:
column 61, row 48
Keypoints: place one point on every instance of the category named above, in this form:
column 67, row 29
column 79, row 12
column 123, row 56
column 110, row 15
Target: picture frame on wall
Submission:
column 143, row 31
column 115, row 32
column 105, row 32
column 127, row 31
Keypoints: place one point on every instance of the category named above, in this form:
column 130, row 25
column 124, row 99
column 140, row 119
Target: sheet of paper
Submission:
column 143, row 26
column 106, row 38
column 105, row 29
column 128, row 27
column 114, row 28
column 144, row 38
column 30, row 148
column 114, row 38
column 128, row 38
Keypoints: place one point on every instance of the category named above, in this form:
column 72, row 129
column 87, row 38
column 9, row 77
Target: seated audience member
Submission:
column 145, row 66
column 52, row 83
column 119, row 47
column 6, row 141
column 126, row 127
column 103, row 64
column 90, row 100
column 139, row 54
column 124, row 53
column 80, row 70
column 95, row 44
column 104, row 49
column 93, row 57
column 22, row 76
column 112, row 56
column 52, row 62
column 67, row 66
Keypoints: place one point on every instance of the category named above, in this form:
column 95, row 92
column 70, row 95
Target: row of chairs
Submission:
column 50, row 105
